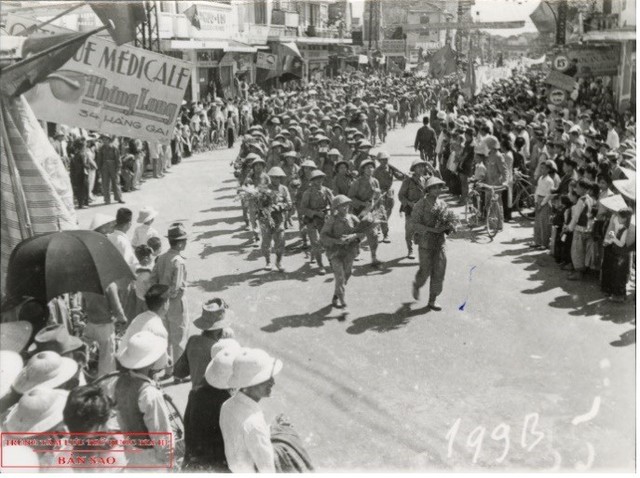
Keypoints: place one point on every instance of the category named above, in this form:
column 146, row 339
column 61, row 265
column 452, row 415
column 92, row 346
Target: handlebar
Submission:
column 495, row 189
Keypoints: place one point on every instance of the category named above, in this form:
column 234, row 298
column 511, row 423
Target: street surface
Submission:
column 544, row 366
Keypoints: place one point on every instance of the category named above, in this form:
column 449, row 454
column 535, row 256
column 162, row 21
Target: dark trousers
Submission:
column 230, row 137
column 111, row 180
column 80, row 186
column 505, row 205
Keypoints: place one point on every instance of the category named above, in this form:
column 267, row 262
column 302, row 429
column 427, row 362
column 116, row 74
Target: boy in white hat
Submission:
column 144, row 231
column 139, row 403
column 202, row 435
column 247, row 438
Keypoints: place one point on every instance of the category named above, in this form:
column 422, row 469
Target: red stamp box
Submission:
column 91, row 450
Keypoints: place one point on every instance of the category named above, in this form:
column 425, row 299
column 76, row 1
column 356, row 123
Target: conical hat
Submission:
column 614, row 203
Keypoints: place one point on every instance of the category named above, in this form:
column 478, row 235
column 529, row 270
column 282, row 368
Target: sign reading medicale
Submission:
column 119, row 90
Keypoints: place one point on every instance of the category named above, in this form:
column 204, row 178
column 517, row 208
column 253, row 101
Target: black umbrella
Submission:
column 46, row 266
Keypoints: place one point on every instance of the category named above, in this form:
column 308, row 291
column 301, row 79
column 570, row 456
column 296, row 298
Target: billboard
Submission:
column 118, row 90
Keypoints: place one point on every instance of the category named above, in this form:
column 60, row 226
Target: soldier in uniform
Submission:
column 171, row 270
column 411, row 191
column 363, row 153
column 342, row 179
column 257, row 178
column 431, row 243
column 366, row 195
column 273, row 229
column 384, row 174
column 341, row 238
column 315, row 204
column 306, row 168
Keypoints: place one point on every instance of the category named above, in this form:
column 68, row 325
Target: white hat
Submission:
column 441, row 115
column 224, row 344
column 10, row 366
column 45, row 369
column 252, row 367
column 100, row 220
column 38, row 411
column 220, row 368
column 143, row 349
column 146, row 214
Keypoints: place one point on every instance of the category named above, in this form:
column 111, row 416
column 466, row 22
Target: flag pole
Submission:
column 34, row 28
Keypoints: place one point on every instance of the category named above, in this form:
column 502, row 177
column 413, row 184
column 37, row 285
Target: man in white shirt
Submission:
column 157, row 300
column 120, row 239
column 613, row 140
column 247, row 437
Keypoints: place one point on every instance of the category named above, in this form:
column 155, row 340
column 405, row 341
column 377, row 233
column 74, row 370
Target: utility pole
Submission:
column 370, row 21
column 561, row 22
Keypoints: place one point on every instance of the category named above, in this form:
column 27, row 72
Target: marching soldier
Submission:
column 272, row 220
column 316, row 203
column 431, row 242
column 306, row 168
column 343, row 179
column 385, row 175
column 411, row 191
column 366, row 195
column 257, row 178
column 341, row 238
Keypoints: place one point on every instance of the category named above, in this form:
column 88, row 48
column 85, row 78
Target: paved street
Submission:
column 544, row 365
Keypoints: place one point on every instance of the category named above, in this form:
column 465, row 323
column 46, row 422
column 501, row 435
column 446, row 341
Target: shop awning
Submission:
column 231, row 46
column 610, row 35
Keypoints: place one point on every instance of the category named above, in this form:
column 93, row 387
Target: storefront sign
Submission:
column 392, row 46
column 212, row 18
column 591, row 61
column 557, row 96
column 119, row 90
column 429, row 45
column 560, row 80
column 266, row 61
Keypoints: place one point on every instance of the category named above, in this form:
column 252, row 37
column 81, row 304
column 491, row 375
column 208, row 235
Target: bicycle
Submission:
column 492, row 212
column 523, row 197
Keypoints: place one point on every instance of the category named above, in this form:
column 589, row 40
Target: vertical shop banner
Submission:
column 119, row 90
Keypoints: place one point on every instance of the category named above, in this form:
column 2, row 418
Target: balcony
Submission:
column 601, row 22
column 284, row 17
column 282, row 33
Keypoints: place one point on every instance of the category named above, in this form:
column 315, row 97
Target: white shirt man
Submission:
column 123, row 244
column 613, row 140
column 247, row 438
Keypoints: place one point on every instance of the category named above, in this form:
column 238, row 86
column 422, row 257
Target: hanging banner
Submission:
column 118, row 90
column 266, row 61
column 589, row 61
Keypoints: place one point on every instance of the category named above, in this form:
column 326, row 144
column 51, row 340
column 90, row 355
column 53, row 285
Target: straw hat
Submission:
column 615, row 203
column 277, row 172
column 45, row 369
column 626, row 187
column 252, row 367
column 55, row 337
column 416, row 163
column 433, row 181
column 10, row 366
column 307, row 163
column 146, row 214
column 315, row 174
column 382, row 155
column 142, row 350
column 340, row 200
column 224, row 344
column 366, row 162
column 15, row 336
column 215, row 315
column 220, row 369
column 38, row 411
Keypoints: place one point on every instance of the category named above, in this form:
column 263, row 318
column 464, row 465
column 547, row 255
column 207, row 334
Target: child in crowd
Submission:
column 144, row 231
column 155, row 243
column 567, row 236
column 144, row 254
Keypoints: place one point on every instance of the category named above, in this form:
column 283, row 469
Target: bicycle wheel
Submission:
column 526, row 204
column 493, row 219
column 470, row 215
